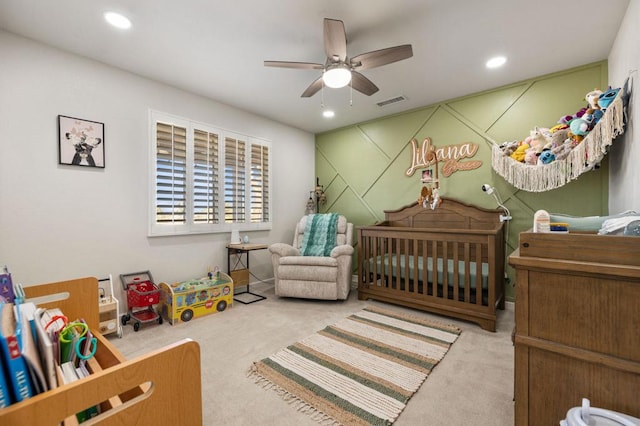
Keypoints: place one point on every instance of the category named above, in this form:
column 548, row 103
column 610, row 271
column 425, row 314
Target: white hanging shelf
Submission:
column 582, row 158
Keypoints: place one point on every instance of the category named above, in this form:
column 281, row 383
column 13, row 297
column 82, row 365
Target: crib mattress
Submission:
column 440, row 269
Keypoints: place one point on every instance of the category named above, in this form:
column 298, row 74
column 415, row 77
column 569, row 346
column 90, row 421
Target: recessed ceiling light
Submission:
column 117, row 20
column 496, row 62
column 328, row 113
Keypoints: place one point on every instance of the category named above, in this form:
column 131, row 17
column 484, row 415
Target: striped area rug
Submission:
column 360, row 371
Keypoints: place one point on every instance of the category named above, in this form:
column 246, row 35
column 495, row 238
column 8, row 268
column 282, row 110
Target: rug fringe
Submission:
column 291, row 399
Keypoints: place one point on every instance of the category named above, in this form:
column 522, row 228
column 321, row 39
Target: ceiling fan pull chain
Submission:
column 351, row 95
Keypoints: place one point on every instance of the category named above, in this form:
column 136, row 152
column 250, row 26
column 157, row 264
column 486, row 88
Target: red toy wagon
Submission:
column 142, row 294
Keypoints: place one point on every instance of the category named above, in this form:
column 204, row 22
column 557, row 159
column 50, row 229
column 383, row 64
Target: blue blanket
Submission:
column 319, row 234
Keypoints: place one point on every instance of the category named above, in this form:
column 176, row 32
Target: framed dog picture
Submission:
column 80, row 142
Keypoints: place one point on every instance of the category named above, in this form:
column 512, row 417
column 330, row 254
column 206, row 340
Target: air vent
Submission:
column 391, row 101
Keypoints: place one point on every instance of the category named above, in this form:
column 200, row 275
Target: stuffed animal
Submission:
column 509, row 148
column 607, row 97
column 546, row 157
column 558, row 127
column 436, row 201
column 567, row 118
column 562, row 151
column 558, row 137
column 592, row 98
column 425, row 196
column 575, row 139
column 519, row 153
column 592, row 116
column 531, row 157
column 579, row 126
column 540, row 139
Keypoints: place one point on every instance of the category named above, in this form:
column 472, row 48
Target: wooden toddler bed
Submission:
column 448, row 261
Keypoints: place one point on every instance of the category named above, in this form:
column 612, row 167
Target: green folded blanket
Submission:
column 319, row 234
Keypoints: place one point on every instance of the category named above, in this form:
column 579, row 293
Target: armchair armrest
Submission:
column 342, row 250
column 282, row 250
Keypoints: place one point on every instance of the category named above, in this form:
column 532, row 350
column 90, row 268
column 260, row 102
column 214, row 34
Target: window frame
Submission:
column 189, row 226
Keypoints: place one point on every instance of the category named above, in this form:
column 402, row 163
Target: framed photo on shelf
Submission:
column 80, row 142
column 427, row 176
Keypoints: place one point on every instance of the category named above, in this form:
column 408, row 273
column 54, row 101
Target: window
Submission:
column 205, row 179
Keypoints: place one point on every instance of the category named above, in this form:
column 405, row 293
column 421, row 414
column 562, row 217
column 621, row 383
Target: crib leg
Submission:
column 501, row 303
column 488, row 325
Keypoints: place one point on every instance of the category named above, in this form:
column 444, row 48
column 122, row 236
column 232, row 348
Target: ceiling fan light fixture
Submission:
column 337, row 77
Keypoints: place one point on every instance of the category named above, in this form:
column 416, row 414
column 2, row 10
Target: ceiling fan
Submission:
column 340, row 70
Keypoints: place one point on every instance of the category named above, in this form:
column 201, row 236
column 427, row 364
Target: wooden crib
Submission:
column 448, row 261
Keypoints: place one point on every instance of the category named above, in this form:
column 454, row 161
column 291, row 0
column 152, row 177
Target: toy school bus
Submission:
column 180, row 302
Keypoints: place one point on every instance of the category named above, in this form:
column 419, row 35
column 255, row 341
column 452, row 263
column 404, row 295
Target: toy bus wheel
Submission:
column 186, row 315
column 222, row 305
column 136, row 326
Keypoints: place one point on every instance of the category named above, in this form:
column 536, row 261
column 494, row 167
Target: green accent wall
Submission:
column 363, row 166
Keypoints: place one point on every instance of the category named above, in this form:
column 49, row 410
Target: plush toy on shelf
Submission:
column 509, row 148
column 520, row 152
column 559, row 136
column 565, row 119
column 607, row 97
column 540, row 139
column 592, row 98
column 546, row 157
column 562, row 151
column 531, row 157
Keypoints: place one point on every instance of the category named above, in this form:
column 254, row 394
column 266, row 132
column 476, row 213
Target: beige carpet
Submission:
column 473, row 384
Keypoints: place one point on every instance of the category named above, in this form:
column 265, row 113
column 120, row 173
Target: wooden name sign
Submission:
column 448, row 155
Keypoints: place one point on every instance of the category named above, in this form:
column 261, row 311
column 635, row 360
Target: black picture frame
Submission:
column 80, row 142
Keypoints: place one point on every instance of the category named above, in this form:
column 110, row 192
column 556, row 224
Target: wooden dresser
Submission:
column 577, row 325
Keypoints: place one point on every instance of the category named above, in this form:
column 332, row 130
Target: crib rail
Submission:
column 446, row 271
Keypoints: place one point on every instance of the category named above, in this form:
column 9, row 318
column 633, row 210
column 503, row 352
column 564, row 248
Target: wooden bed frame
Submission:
column 465, row 244
column 161, row 387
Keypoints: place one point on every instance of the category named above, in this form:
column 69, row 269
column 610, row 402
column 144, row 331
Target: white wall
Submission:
column 61, row 222
column 624, row 61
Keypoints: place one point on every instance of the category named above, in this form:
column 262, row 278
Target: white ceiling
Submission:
column 217, row 49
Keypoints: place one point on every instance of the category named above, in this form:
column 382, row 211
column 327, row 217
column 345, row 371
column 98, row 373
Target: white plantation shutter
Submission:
column 234, row 180
column 171, row 165
column 259, row 183
column 205, row 179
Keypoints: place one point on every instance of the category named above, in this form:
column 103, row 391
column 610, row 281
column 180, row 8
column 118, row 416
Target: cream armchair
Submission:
column 314, row 277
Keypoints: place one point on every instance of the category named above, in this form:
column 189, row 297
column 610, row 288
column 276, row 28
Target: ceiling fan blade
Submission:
column 296, row 65
column 335, row 39
column 313, row 88
column 362, row 84
column 382, row 57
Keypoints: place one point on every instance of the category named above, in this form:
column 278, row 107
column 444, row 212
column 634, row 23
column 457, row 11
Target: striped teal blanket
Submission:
column 319, row 235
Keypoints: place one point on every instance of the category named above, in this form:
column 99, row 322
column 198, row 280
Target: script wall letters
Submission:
column 448, row 155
